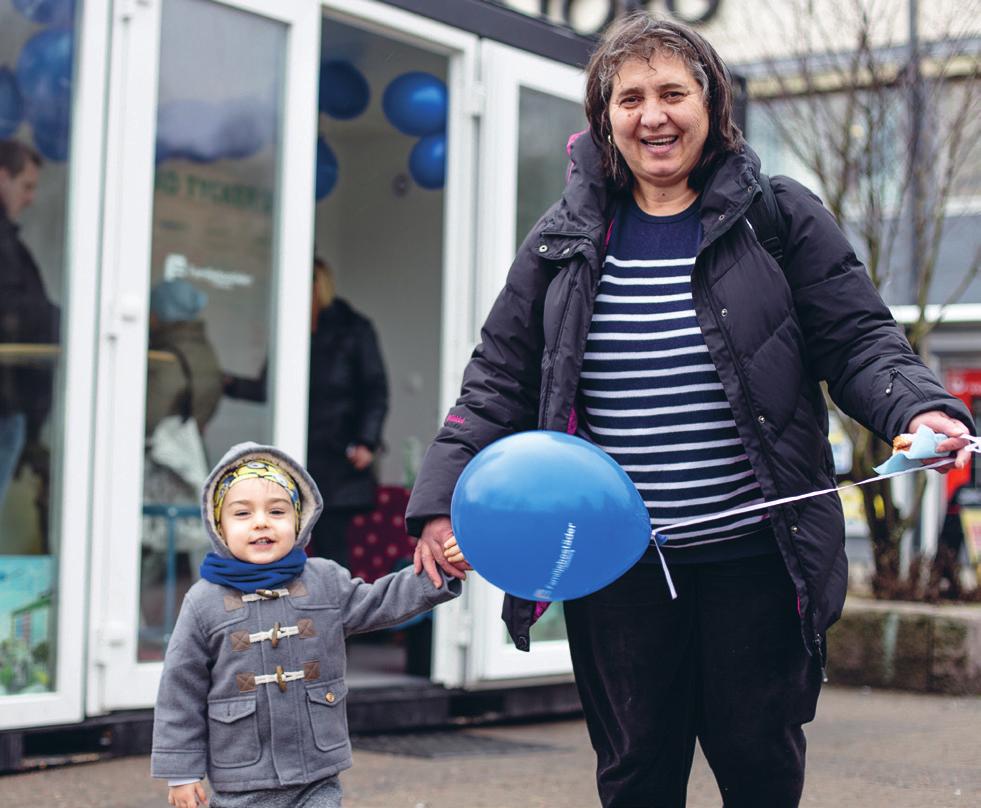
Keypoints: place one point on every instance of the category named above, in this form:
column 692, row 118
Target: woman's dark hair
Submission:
column 641, row 36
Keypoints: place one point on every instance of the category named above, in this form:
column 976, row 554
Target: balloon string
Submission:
column 659, row 538
column 667, row 574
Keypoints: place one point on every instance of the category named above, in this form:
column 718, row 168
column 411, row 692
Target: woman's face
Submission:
column 659, row 120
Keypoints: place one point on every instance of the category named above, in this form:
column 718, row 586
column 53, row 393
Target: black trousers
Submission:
column 329, row 538
column 724, row 663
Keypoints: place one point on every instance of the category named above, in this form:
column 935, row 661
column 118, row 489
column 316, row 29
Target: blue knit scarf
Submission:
column 247, row 577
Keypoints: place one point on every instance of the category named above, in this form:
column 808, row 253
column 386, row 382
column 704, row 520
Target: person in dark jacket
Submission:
column 346, row 414
column 643, row 314
column 348, row 405
column 27, row 317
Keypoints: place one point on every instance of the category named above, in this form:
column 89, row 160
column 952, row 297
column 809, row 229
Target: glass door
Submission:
column 52, row 73
column 205, row 296
column 533, row 105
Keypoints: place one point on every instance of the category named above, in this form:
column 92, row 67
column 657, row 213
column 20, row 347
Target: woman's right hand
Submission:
column 429, row 552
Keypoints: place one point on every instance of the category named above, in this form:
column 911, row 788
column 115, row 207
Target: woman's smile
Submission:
column 659, row 123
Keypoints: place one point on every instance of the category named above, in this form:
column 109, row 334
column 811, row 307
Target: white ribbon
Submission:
column 973, row 446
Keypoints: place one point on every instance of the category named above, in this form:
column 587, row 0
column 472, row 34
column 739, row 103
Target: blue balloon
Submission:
column 427, row 161
column 11, row 103
column 47, row 12
column 344, row 92
column 53, row 143
column 416, row 103
column 44, row 75
column 326, row 169
column 548, row 516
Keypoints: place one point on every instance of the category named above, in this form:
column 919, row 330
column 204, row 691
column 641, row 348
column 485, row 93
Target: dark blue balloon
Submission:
column 427, row 161
column 326, row 169
column 44, row 75
column 53, row 143
column 47, row 12
column 416, row 103
column 344, row 92
column 548, row 516
column 11, row 103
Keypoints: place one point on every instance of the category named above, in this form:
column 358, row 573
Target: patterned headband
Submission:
column 257, row 470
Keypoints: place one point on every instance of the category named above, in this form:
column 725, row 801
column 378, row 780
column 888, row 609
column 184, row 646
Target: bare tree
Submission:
column 889, row 128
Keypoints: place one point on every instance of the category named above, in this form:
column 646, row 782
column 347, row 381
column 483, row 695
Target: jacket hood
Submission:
column 584, row 207
column 311, row 503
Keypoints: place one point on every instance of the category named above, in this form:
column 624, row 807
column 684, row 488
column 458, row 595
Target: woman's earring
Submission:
column 609, row 139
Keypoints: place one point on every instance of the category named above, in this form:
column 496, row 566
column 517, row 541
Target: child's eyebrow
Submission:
column 249, row 502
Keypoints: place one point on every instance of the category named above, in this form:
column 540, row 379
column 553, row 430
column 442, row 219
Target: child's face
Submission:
column 258, row 522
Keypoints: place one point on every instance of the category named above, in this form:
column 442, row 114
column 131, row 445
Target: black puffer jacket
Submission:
column 348, row 404
column 772, row 334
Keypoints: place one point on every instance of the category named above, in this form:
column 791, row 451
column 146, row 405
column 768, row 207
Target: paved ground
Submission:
column 867, row 749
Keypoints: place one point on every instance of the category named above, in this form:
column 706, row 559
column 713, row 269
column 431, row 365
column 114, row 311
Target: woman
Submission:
column 348, row 404
column 642, row 313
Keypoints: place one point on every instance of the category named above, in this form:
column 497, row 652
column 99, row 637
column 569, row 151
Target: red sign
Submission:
column 965, row 383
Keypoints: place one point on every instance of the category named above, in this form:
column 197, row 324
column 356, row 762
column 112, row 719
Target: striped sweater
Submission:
column 651, row 398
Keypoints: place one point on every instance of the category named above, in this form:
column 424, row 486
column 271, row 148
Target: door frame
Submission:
column 506, row 71
column 115, row 679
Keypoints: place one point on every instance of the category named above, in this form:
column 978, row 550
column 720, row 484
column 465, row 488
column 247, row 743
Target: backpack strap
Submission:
column 767, row 222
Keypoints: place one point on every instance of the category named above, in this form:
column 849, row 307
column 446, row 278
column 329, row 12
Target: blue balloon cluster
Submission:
column 38, row 89
column 203, row 131
column 44, row 78
column 416, row 104
column 548, row 516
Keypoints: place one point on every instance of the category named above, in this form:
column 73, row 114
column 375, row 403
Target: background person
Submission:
column 346, row 413
column 28, row 316
column 348, row 405
column 643, row 313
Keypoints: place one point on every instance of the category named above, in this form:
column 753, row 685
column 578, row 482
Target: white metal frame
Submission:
column 451, row 636
column 506, row 70
column 116, row 680
column 71, row 512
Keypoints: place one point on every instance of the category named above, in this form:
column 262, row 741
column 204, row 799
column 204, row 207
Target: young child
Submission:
column 252, row 692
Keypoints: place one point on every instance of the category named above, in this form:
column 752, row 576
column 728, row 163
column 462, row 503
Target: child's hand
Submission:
column 453, row 553
column 188, row 796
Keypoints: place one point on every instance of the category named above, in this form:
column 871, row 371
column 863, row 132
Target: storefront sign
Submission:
column 592, row 16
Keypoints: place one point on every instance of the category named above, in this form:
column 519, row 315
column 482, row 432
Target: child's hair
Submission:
column 257, row 469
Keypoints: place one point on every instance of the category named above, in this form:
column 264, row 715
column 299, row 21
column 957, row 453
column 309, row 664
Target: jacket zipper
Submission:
column 558, row 334
column 892, row 379
column 822, row 656
column 759, row 431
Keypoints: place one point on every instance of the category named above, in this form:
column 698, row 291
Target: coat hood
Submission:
column 311, row 503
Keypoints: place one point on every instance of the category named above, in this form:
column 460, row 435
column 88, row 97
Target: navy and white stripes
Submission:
column 650, row 394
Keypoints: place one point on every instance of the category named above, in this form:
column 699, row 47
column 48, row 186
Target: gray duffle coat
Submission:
column 212, row 716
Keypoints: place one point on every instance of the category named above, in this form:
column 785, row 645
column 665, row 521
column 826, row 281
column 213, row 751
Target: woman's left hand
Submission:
column 942, row 423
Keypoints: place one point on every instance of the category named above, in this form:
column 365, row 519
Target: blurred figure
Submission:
column 348, row 405
column 347, row 409
column 184, row 388
column 193, row 384
column 27, row 316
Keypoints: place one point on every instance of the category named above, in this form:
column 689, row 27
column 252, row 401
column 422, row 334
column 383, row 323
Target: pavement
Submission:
column 869, row 749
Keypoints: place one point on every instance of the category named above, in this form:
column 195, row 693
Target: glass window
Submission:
column 36, row 70
column 211, row 278
column 544, row 125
